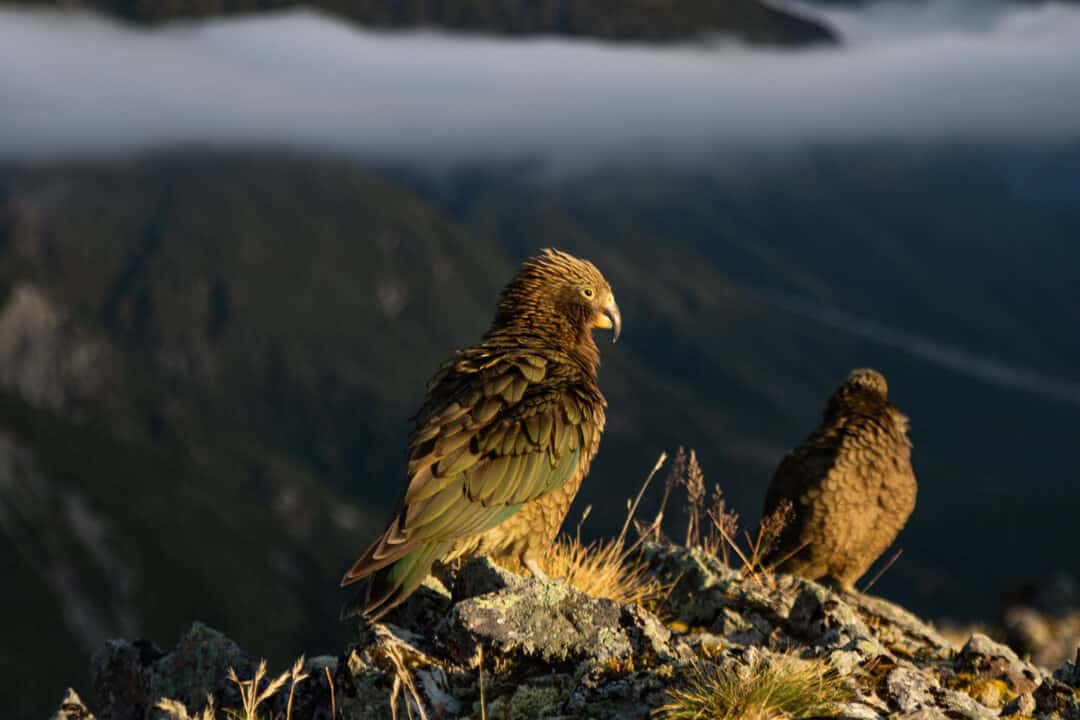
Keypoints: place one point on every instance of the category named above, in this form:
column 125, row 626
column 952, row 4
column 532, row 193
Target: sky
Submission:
column 79, row 84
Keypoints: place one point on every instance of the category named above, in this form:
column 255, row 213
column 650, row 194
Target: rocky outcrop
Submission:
column 44, row 357
column 1039, row 619
column 533, row 649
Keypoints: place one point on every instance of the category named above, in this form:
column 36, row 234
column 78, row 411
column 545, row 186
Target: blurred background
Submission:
column 236, row 238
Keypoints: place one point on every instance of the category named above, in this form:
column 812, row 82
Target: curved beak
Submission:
column 610, row 318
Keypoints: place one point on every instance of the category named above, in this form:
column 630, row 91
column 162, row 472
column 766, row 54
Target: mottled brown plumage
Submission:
column 506, row 434
column 850, row 484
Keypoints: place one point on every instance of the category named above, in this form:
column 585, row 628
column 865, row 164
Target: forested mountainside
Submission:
column 209, row 361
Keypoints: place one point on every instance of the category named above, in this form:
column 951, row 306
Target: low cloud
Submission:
column 80, row 84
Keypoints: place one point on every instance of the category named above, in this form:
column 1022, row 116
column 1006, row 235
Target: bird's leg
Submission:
column 534, row 567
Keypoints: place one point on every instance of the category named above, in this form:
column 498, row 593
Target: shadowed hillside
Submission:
column 209, row 361
column 637, row 20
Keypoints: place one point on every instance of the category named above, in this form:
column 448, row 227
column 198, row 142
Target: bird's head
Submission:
column 863, row 390
column 557, row 293
column 865, row 380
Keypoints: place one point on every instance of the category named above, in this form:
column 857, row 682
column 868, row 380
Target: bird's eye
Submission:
column 587, row 292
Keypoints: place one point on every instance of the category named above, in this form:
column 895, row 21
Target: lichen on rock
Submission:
column 502, row 645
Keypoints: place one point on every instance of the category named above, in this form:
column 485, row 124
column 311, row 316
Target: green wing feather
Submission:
column 496, row 432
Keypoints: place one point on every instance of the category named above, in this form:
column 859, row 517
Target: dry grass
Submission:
column 333, row 693
column 611, row 568
column 755, row 548
column 614, row 568
column 722, row 522
column 780, row 688
column 251, row 696
column 176, row 710
column 714, row 527
column 404, row 688
column 480, row 680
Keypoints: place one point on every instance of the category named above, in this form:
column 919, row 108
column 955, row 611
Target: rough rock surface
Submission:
column 130, row 677
column 72, row 708
column 532, row 649
column 44, row 357
column 553, row 624
column 1039, row 620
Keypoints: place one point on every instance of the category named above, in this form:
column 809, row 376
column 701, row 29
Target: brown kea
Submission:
column 850, row 485
column 504, row 437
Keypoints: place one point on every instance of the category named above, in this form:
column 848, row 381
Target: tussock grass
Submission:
column 253, row 693
column 780, row 688
column 611, row 568
column 404, row 688
column 712, row 526
column 176, row 710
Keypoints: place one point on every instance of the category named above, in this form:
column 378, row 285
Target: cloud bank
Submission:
column 76, row 84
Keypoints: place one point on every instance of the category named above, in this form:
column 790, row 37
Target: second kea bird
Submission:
column 505, row 436
column 850, row 484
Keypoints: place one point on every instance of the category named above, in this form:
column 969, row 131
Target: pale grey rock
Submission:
column 986, row 659
column 72, row 708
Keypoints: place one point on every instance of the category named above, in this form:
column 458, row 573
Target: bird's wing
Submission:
column 493, row 436
column 801, row 470
column 798, row 479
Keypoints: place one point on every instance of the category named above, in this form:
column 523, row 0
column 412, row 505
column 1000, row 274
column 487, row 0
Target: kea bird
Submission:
column 850, row 485
column 505, row 435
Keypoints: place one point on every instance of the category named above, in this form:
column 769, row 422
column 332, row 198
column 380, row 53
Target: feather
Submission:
column 503, row 425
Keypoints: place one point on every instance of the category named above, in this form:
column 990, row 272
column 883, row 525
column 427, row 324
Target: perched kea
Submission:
column 850, row 485
column 505, row 435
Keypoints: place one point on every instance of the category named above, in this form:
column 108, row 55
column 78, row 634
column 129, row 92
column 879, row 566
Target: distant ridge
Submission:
column 622, row 20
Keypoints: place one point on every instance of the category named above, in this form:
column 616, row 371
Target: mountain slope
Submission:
column 634, row 20
column 211, row 358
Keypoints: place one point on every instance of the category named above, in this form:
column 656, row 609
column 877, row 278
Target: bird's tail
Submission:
column 391, row 584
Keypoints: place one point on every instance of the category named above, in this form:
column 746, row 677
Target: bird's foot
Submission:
column 534, row 567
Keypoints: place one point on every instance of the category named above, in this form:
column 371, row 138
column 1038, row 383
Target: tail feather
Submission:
column 390, row 586
column 381, row 554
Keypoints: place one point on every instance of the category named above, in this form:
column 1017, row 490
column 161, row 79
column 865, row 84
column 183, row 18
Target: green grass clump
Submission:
column 781, row 688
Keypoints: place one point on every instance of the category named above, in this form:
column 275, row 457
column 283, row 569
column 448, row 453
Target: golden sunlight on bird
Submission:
column 505, row 436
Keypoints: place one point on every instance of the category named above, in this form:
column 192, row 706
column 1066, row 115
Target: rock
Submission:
column 480, row 576
column 130, row 677
column 72, row 708
column 985, row 659
column 858, row 711
column 391, row 651
column 1057, row 699
column 928, row 713
column 1069, row 673
column 366, row 696
column 959, row 704
column 1022, row 705
column 542, row 697
column 425, row 607
column 390, row 646
column 897, row 630
column 552, row 623
column 699, row 582
column 630, row 696
column 908, row 690
column 311, row 696
column 120, row 677
column 198, row 667
column 527, row 648
column 825, row 620
column 44, row 357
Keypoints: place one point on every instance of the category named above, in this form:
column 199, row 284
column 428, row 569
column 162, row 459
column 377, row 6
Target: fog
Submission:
column 80, row 84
